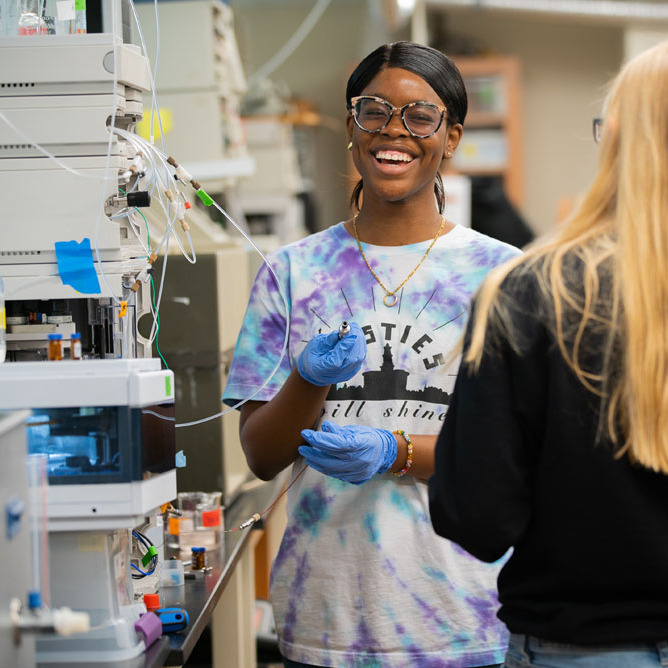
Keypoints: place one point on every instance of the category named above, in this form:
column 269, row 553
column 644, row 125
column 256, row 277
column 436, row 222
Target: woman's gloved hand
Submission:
column 327, row 359
column 352, row 453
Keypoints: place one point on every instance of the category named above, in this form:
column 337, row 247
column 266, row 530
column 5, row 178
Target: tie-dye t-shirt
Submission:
column 361, row 579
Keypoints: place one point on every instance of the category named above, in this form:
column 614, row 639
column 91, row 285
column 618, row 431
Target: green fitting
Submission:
column 206, row 199
column 150, row 553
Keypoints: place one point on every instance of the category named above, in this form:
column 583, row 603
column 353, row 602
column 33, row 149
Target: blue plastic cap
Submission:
column 54, row 337
column 197, row 550
column 75, row 336
column 34, row 600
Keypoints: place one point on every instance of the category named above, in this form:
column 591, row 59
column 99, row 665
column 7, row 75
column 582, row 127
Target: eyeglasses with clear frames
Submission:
column 372, row 114
column 597, row 128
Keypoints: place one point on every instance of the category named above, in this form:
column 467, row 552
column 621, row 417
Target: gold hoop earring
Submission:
column 350, row 145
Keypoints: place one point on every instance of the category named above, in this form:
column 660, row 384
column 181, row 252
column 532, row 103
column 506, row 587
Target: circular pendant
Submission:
column 390, row 299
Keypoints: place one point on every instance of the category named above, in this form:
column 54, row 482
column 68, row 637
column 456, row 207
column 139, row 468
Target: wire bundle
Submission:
column 160, row 180
column 150, row 550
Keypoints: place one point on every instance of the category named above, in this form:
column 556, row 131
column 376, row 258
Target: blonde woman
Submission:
column 556, row 441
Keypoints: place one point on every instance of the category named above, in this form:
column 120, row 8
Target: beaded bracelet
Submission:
column 409, row 453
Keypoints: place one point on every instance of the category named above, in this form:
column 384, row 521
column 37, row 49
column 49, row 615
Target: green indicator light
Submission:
column 168, row 386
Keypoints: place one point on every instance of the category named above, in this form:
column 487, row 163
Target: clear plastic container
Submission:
column 101, row 560
column 171, row 573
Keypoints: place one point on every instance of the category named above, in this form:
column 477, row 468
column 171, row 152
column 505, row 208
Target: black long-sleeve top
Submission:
column 518, row 464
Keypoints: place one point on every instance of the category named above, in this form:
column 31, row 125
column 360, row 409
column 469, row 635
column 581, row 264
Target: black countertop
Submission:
column 156, row 654
column 199, row 597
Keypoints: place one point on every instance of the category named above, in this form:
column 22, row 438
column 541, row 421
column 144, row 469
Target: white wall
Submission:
column 638, row 39
column 565, row 66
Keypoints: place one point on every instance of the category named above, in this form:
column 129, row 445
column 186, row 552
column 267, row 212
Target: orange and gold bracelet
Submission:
column 409, row 453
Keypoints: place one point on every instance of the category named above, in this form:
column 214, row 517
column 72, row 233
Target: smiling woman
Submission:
column 360, row 578
column 400, row 97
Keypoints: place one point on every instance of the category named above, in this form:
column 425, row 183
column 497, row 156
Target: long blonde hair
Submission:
column 618, row 238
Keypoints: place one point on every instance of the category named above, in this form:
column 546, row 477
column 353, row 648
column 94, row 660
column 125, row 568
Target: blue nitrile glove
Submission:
column 352, row 453
column 328, row 359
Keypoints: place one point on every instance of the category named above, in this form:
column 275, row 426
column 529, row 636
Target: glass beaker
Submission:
column 31, row 21
column 201, row 521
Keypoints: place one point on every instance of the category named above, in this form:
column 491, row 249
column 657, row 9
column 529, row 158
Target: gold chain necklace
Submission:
column 390, row 299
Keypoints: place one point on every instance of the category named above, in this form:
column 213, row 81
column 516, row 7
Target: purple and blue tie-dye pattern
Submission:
column 361, row 579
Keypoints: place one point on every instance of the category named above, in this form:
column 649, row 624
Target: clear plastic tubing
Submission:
column 38, row 538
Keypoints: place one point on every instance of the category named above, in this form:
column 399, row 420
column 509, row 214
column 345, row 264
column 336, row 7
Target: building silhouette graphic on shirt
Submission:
column 388, row 383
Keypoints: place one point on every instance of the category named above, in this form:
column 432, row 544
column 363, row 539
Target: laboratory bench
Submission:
column 231, row 567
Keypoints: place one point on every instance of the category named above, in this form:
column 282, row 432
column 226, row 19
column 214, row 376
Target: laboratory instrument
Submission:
column 106, row 432
column 70, row 252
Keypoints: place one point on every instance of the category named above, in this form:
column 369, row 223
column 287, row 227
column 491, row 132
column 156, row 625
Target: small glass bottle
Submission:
column 198, row 558
column 55, row 351
column 75, row 346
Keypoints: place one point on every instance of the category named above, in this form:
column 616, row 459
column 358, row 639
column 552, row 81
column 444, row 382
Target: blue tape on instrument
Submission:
column 76, row 266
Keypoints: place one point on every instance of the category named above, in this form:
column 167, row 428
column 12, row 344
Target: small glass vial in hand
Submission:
column 75, row 346
column 55, row 350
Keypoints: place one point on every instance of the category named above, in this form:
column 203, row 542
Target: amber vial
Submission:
column 55, row 350
column 75, row 346
column 198, row 558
